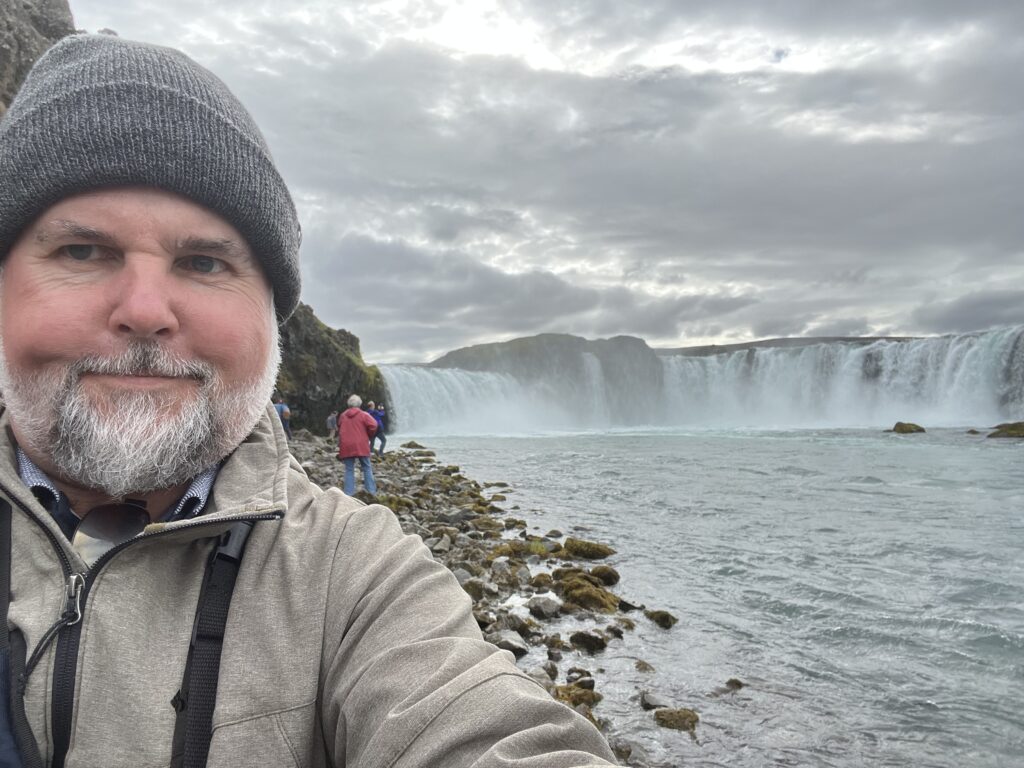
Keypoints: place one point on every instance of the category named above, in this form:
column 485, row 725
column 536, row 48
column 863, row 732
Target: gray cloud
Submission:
column 451, row 199
column 975, row 311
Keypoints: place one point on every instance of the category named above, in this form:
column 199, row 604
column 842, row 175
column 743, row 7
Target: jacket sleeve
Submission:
column 408, row 681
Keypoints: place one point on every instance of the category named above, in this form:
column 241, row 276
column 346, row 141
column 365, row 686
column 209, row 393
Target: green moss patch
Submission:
column 678, row 719
column 587, row 550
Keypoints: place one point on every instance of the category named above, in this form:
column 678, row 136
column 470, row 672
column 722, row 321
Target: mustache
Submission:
column 142, row 358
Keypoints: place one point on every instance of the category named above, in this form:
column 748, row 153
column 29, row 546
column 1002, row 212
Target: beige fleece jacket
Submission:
column 346, row 644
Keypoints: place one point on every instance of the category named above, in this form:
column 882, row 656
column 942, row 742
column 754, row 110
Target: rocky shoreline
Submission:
column 521, row 583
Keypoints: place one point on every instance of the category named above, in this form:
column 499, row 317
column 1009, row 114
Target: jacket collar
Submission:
column 253, row 479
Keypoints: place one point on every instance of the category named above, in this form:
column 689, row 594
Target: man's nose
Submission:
column 142, row 298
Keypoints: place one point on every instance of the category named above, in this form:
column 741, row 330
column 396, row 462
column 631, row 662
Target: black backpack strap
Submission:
column 5, row 571
column 194, row 703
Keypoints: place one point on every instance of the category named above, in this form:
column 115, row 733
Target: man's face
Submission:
column 139, row 324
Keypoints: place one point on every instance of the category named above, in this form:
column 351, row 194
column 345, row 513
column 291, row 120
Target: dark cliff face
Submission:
column 27, row 29
column 320, row 368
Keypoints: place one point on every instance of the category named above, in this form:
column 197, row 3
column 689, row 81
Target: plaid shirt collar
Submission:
column 189, row 505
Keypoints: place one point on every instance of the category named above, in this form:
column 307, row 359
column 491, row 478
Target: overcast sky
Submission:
column 711, row 171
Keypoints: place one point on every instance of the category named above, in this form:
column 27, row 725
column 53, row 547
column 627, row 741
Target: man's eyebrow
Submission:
column 218, row 246
column 67, row 228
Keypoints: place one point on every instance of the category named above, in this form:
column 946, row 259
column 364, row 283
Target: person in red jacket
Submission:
column 355, row 429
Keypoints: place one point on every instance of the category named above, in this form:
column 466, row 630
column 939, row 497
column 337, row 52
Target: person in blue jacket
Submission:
column 381, row 419
column 285, row 414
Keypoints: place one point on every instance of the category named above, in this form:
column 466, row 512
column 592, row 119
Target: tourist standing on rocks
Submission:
column 332, row 424
column 285, row 414
column 355, row 430
column 150, row 250
column 378, row 416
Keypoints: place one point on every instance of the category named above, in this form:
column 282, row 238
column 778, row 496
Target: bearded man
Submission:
column 175, row 591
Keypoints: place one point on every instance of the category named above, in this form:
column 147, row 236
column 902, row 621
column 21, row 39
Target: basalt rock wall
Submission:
column 320, row 368
column 27, row 29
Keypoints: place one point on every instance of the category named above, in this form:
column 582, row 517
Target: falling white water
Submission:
column 966, row 380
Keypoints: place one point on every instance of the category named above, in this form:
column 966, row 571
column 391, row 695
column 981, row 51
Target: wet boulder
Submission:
column 663, row 619
column 649, row 700
column 591, row 642
column 608, row 575
column 1011, row 429
column 907, row 428
column 678, row 719
column 508, row 640
column 544, row 607
column 586, row 550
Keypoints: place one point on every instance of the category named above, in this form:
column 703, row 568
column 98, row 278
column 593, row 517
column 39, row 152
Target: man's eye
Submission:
column 81, row 252
column 204, row 264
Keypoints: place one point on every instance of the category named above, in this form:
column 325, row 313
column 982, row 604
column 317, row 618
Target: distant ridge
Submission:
column 804, row 341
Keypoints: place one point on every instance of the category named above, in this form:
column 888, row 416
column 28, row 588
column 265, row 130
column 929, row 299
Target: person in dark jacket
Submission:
column 355, row 430
column 378, row 416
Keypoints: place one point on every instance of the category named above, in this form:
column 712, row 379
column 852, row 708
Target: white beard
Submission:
column 135, row 442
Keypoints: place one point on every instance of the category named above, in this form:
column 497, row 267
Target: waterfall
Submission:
column 970, row 379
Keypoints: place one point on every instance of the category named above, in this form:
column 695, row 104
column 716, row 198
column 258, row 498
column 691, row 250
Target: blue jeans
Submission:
column 350, row 475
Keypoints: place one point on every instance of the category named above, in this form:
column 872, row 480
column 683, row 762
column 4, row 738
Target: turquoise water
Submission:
column 868, row 587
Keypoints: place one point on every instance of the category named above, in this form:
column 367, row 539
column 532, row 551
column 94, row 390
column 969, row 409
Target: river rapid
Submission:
column 867, row 587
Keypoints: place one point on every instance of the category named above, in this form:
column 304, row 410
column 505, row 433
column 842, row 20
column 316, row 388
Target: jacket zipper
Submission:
column 68, row 628
column 65, row 664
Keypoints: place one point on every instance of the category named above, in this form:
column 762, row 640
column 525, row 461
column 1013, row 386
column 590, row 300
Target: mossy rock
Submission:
column 542, row 581
column 574, row 695
column 608, row 575
column 587, row 550
column 973, row 432
column 413, row 445
column 907, row 428
column 580, row 591
column 663, row 619
column 485, row 523
column 499, row 497
column 643, row 666
column 734, row 684
column 1011, row 429
column 591, row 642
column 537, row 547
column 679, row 719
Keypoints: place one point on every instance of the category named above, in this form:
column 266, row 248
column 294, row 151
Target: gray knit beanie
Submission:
column 99, row 111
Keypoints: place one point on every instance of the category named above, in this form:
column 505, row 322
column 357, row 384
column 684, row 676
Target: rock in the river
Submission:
column 650, row 700
column 663, row 619
column 584, row 590
column 508, row 640
column 608, row 575
column 907, row 428
column 574, row 695
column 629, row 751
column 544, row 607
column 586, row 550
column 679, row 719
column 588, row 641
column 643, row 666
column 1011, row 429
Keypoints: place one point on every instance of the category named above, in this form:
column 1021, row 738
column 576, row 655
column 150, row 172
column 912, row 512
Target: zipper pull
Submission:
column 73, row 599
